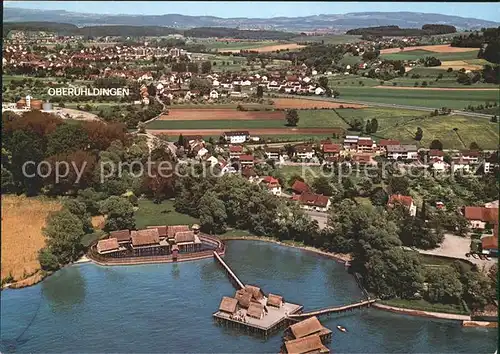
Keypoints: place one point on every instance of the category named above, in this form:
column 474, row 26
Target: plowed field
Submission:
column 221, row 114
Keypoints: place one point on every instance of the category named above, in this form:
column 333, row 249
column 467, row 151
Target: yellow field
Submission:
column 22, row 222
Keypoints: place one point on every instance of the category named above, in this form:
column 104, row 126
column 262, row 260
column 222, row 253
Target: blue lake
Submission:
column 168, row 308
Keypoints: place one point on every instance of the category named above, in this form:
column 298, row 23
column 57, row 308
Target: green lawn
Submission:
column 470, row 129
column 236, row 45
column 433, row 261
column 426, row 306
column 328, row 39
column 151, row 214
column 351, row 80
column 320, row 119
column 309, row 173
column 417, row 54
column 423, row 98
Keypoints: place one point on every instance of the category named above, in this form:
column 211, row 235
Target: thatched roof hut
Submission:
column 173, row 229
column 162, row 230
column 310, row 344
column 121, row 235
column 255, row 310
column 244, row 298
column 145, row 238
column 184, row 236
column 228, row 304
column 306, row 327
column 255, row 291
column 108, row 245
column 274, row 300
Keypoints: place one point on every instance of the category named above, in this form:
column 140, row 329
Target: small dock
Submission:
column 234, row 279
column 267, row 320
column 331, row 310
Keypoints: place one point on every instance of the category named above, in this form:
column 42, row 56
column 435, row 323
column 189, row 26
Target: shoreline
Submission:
column 339, row 257
column 421, row 313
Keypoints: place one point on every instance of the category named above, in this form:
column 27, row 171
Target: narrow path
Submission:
column 330, row 310
column 229, row 271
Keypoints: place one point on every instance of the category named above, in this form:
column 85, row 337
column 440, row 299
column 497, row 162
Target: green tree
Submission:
column 260, row 91
column 323, row 81
column 398, row 185
column 119, row 212
column 374, row 125
column 203, row 85
column 436, row 144
column 66, row 138
column 379, row 196
column 492, row 52
column 292, row 117
column 64, row 232
column 368, row 128
column 79, row 209
column 474, row 146
column 213, row 214
column 48, row 260
column 321, row 185
column 206, row 67
column 443, row 285
column 419, row 134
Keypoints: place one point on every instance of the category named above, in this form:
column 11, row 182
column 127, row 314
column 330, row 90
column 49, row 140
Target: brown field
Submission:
column 298, row 103
column 22, row 222
column 436, row 88
column 267, row 48
column 221, row 114
column 457, row 65
column 439, row 48
column 263, row 131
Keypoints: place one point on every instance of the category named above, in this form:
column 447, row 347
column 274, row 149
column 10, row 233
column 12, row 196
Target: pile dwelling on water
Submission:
column 307, row 336
column 250, row 309
column 155, row 240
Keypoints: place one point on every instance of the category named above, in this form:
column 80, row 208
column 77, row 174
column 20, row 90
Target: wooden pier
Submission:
column 331, row 310
column 234, row 279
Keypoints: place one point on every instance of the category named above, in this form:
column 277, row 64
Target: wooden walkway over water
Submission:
column 234, row 279
column 330, row 310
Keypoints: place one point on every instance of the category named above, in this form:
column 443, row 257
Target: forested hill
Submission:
column 142, row 31
column 395, row 31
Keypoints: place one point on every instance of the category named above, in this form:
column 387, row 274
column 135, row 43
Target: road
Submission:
column 388, row 105
column 320, row 217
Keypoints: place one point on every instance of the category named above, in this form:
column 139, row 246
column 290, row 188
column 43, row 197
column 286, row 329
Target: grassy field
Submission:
column 322, row 119
column 470, row 129
column 151, row 214
column 328, row 39
column 417, row 54
column 434, row 261
column 309, row 173
column 235, row 45
column 423, row 98
column 216, row 124
column 22, row 238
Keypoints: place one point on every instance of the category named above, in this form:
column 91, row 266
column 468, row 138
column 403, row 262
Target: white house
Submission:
column 214, row 94
column 405, row 200
column 236, row 137
column 246, row 83
column 439, row 165
column 202, row 152
column 272, row 184
column 314, row 72
column 311, row 201
column 215, row 83
column 304, row 152
column 404, row 152
column 319, row 91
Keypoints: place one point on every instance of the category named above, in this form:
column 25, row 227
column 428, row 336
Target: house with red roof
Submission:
column 331, row 150
column 313, row 201
column 405, row 200
column 235, row 151
column 300, row 187
column 247, row 160
column 436, row 154
column 272, row 184
column 480, row 217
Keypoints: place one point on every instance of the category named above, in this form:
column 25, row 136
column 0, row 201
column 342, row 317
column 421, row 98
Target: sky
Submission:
column 486, row 11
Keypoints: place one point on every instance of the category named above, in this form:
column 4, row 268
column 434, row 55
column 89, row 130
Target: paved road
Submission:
column 321, row 218
column 378, row 104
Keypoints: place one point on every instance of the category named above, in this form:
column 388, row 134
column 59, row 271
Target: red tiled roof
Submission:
column 481, row 213
column 386, row 142
column 235, row 148
column 300, row 187
column 120, row 235
column 402, row 199
column 248, row 172
column 331, row 148
column 490, row 242
column 173, row 229
column 365, row 142
column 246, row 158
column 471, row 153
column 314, row 199
column 362, row 158
column 435, row 152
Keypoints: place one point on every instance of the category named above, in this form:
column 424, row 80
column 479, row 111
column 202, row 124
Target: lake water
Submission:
column 168, row 308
